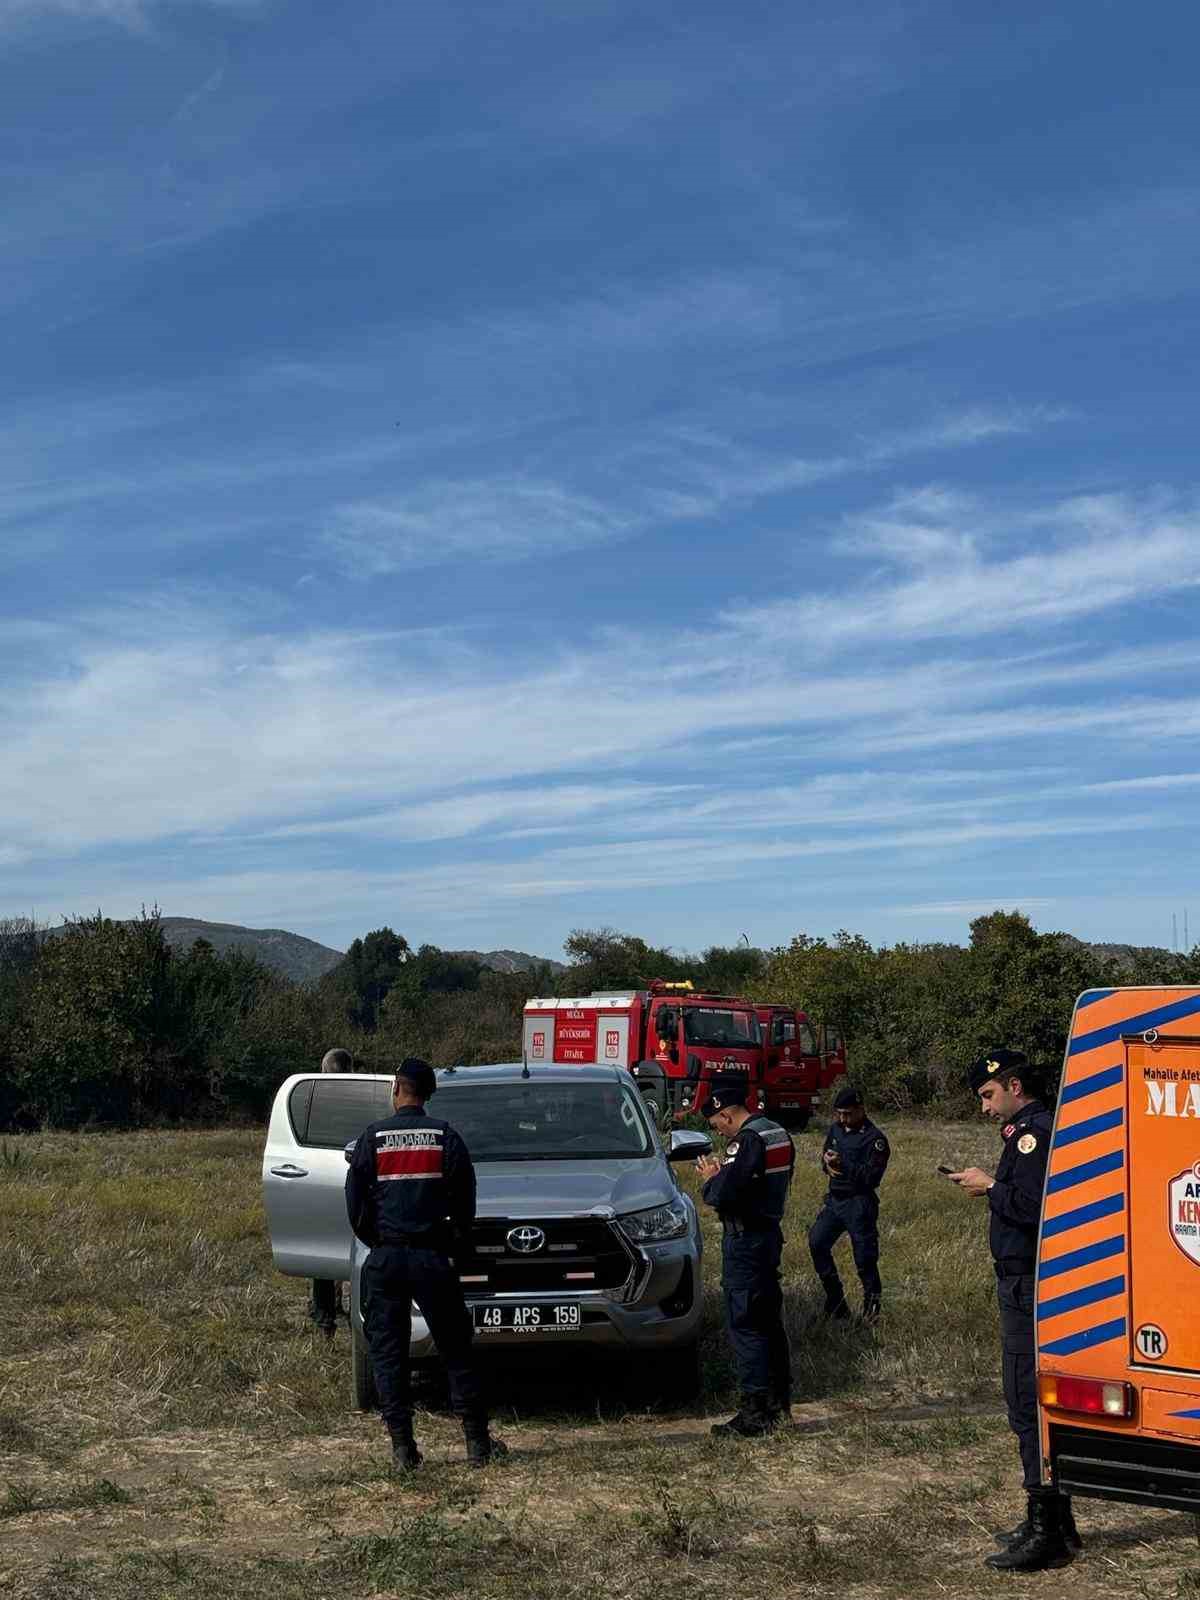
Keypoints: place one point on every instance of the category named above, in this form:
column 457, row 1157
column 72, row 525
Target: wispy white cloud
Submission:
column 476, row 890
column 456, row 816
column 673, row 475
column 130, row 14
column 966, row 909
column 1096, row 552
column 500, row 519
column 1162, row 780
column 184, row 725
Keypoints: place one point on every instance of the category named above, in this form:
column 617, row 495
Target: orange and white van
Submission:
column 1118, row 1284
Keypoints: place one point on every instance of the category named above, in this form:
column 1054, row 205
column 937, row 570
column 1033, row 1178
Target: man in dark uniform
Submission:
column 410, row 1196
column 748, row 1189
column 1003, row 1081
column 855, row 1157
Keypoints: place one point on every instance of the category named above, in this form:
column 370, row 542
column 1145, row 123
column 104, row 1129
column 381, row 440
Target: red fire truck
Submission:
column 674, row 1039
column 800, row 1062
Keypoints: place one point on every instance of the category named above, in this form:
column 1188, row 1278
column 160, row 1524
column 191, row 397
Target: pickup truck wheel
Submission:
column 363, row 1379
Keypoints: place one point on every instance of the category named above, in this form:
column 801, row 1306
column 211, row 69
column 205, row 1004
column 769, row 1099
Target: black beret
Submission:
column 419, row 1075
column 723, row 1093
column 998, row 1063
column 847, row 1097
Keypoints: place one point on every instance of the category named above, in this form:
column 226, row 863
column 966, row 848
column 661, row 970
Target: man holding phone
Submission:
column 855, row 1158
column 1004, row 1083
column 748, row 1189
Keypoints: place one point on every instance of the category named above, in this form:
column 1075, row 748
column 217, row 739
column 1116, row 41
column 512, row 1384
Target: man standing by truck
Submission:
column 748, row 1189
column 410, row 1196
column 855, row 1158
column 1004, row 1084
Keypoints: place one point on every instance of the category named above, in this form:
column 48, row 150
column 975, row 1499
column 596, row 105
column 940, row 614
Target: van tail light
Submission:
column 1090, row 1396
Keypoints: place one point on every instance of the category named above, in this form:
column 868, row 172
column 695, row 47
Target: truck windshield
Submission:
column 707, row 1025
column 546, row 1121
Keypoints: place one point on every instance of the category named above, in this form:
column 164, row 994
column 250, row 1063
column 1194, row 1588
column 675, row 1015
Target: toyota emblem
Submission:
column 526, row 1239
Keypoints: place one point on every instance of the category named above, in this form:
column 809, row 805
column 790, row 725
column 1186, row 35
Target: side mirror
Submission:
column 688, row 1143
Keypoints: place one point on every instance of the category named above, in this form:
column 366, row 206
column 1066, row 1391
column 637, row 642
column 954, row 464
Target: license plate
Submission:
column 528, row 1319
column 791, row 1105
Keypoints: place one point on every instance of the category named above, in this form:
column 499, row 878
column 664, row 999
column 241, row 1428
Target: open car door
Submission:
column 304, row 1167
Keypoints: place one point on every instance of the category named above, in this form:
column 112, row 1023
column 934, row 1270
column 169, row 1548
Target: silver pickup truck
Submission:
column 582, row 1238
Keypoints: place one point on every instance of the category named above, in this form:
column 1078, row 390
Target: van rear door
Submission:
column 304, row 1167
column 1163, row 1111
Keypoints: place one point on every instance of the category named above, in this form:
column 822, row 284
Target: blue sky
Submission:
column 496, row 468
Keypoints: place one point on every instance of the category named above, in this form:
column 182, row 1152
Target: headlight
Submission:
column 651, row 1227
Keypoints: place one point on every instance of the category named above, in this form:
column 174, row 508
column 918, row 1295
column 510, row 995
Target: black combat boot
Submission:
column 481, row 1446
column 752, row 1420
column 1043, row 1546
column 779, row 1405
column 835, row 1308
column 405, row 1455
column 1070, row 1532
column 871, row 1309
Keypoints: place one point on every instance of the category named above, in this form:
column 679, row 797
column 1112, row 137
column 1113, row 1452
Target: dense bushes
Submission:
column 915, row 1015
column 105, row 1023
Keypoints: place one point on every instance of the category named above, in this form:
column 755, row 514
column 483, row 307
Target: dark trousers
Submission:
column 857, row 1215
column 393, row 1277
column 754, row 1312
column 1019, row 1366
column 323, row 1306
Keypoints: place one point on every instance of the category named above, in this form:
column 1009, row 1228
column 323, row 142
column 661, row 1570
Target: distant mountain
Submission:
column 290, row 954
column 1125, row 955
column 509, row 960
column 304, row 960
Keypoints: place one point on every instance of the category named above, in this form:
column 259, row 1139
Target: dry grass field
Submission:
column 172, row 1429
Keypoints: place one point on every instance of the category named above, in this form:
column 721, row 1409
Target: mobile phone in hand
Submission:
column 942, row 1167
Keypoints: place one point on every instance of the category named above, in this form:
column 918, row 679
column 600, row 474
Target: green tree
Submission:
column 366, row 973
column 730, row 969
column 602, row 958
column 85, row 1039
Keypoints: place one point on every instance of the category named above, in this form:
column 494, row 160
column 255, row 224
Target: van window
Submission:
column 340, row 1109
column 785, row 1030
column 298, row 1103
column 808, row 1040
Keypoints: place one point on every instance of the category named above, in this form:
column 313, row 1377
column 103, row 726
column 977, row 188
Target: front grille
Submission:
column 1126, row 1467
column 583, row 1254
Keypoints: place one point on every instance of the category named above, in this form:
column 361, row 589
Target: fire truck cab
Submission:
column 798, row 1064
column 673, row 1038
column 1118, row 1287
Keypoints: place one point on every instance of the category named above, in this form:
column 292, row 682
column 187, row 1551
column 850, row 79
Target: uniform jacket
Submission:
column 410, row 1176
column 864, row 1157
column 1015, row 1199
column 752, row 1185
